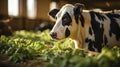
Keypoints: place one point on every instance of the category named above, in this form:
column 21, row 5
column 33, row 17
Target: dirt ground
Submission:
column 31, row 63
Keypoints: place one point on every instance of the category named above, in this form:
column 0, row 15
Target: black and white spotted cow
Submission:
column 89, row 29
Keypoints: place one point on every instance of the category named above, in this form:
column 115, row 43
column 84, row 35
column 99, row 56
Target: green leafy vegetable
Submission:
column 29, row 45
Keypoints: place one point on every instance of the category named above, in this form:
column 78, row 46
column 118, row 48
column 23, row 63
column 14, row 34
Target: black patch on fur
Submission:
column 67, row 32
column 90, row 31
column 98, row 31
column 82, row 20
column 78, row 15
column 76, row 19
column 90, row 44
column 53, row 12
column 100, row 16
column 105, row 40
column 66, row 19
column 114, row 27
column 77, row 11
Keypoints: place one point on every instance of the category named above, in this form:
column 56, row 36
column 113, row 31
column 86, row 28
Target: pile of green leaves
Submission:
column 28, row 45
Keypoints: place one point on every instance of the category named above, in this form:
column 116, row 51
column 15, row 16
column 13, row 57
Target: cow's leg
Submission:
column 77, row 44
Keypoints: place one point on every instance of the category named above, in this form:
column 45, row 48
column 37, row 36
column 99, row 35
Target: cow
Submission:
column 90, row 30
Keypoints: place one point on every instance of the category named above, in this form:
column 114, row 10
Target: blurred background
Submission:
column 33, row 14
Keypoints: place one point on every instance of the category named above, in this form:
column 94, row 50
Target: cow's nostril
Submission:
column 53, row 34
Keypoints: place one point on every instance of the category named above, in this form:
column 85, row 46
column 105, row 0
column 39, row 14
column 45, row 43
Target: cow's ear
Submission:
column 78, row 8
column 53, row 13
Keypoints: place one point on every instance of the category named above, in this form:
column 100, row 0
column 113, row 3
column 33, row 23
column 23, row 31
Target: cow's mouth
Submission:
column 56, row 39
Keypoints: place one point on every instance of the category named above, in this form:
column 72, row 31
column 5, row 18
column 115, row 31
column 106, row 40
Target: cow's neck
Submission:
column 80, row 37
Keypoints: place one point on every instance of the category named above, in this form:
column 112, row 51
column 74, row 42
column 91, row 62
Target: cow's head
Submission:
column 66, row 25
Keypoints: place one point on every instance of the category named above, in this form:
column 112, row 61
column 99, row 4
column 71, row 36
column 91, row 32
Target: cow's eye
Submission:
column 65, row 19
